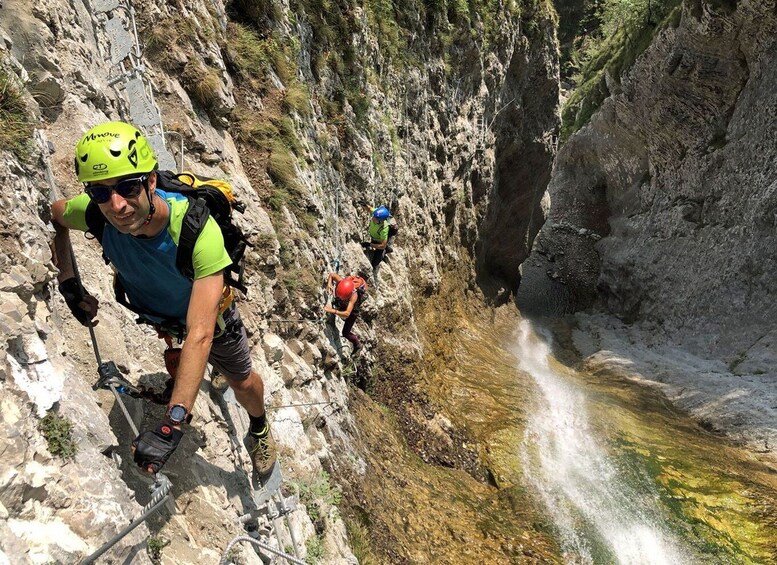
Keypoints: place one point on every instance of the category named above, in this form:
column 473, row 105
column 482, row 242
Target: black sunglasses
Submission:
column 127, row 188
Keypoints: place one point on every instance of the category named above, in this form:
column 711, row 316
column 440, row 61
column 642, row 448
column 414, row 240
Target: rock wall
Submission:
column 455, row 189
column 662, row 213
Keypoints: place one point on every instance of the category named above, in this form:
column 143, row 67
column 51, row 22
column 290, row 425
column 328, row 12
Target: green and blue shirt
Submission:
column 146, row 266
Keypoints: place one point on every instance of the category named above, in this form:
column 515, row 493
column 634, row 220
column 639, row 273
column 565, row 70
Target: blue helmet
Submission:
column 381, row 214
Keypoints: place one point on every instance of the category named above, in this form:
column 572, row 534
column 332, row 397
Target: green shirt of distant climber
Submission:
column 147, row 268
column 379, row 231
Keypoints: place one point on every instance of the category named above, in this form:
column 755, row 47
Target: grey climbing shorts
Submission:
column 230, row 353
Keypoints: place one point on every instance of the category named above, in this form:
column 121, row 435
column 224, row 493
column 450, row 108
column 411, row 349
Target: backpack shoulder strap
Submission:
column 168, row 180
column 191, row 226
column 95, row 221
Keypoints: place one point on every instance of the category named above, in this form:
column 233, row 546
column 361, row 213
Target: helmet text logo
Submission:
column 96, row 136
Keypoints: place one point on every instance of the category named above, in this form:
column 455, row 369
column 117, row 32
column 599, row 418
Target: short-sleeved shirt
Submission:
column 379, row 230
column 146, row 266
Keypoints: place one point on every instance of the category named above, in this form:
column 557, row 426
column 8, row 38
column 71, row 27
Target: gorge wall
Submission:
column 663, row 214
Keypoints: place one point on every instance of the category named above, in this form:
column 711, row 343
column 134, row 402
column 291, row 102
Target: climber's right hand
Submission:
column 82, row 304
column 152, row 449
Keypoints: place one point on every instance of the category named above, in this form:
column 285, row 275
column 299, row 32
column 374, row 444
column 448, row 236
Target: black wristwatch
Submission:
column 178, row 414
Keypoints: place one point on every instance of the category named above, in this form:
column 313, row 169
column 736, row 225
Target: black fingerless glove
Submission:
column 153, row 449
column 74, row 295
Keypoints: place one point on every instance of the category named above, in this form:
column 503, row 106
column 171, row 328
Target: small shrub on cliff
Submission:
column 282, row 167
column 359, row 538
column 319, row 489
column 315, row 549
column 251, row 55
column 58, row 433
column 165, row 40
column 297, row 99
column 202, row 83
column 155, row 546
column 16, row 125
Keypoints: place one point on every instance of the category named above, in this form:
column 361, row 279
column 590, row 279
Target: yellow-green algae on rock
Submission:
column 718, row 498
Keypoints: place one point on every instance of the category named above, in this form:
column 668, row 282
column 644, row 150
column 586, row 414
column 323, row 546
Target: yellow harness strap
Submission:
column 227, row 296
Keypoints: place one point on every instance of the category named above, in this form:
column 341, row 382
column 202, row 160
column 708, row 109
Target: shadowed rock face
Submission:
column 515, row 214
column 663, row 206
column 525, row 129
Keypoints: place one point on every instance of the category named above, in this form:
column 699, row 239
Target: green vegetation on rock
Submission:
column 621, row 31
column 16, row 124
column 58, row 432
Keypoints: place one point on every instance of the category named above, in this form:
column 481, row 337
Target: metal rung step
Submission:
column 286, row 506
column 142, row 112
column 121, row 40
column 263, row 492
column 100, row 6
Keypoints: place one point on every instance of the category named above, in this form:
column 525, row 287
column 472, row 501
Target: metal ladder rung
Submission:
column 101, row 6
column 142, row 112
column 121, row 40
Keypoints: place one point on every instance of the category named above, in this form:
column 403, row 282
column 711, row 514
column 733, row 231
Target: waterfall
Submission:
column 600, row 517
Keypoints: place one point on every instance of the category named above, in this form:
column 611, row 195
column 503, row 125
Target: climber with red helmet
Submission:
column 381, row 235
column 348, row 295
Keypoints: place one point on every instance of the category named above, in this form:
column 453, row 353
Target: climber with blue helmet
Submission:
column 381, row 213
column 381, row 235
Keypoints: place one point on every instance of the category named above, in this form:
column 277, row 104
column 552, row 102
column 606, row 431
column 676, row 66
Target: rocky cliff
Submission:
column 662, row 214
column 313, row 111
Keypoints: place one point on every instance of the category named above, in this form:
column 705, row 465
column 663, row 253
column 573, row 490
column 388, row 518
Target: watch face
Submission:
column 177, row 414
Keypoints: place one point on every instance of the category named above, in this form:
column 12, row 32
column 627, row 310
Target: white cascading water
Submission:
column 591, row 506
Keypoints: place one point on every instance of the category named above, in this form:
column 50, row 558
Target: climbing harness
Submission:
column 172, row 356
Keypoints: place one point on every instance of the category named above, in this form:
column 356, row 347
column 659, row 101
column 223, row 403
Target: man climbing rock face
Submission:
column 142, row 226
column 381, row 233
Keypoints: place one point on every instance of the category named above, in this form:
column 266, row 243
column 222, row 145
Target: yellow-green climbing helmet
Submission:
column 113, row 149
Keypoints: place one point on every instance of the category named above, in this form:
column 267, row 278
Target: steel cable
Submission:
column 279, row 553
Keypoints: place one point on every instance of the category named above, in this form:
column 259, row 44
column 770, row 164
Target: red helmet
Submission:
column 344, row 289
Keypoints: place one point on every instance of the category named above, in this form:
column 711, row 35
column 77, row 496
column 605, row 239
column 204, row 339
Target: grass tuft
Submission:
column 154, row 546
column 202, row 83
column 282, row 167
column 297, row 99
column 16, row 124
column 315, row 549
column 359, row 538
